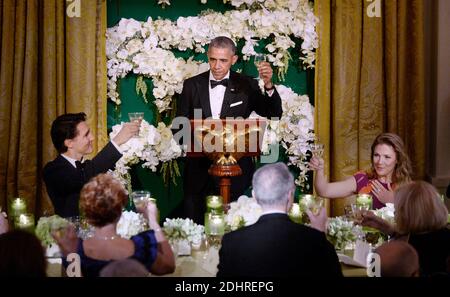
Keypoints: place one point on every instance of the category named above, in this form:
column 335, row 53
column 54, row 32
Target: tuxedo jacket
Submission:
column 277, row 247
column 64, row 182
column 242, row 96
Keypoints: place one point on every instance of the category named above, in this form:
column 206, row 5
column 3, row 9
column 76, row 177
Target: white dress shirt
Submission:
column 216, row 96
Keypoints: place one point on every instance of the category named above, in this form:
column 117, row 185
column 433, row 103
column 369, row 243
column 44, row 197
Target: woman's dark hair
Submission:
column 21, row 254
column 65, row 127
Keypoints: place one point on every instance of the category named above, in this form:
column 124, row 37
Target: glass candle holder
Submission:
column 214, row 203
column 25, row 222
column 214, row 224
column 18, row 207
column 364, row 201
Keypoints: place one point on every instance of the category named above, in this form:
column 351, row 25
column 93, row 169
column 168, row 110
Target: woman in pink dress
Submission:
column 390, row 168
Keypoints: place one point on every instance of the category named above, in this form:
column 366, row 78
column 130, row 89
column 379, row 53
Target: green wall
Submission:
column 169, row 196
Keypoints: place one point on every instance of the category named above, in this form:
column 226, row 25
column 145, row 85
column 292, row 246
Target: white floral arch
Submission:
column 145, row 48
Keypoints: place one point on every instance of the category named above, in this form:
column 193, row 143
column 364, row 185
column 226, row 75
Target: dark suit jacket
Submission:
column 195, row 95
column 243, row 88
column 64, row 182
column 277, row 247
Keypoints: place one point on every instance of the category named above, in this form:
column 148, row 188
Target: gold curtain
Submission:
column 51, row 63
column 369, row 79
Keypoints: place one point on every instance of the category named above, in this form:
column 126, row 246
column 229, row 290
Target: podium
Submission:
column 224, row 142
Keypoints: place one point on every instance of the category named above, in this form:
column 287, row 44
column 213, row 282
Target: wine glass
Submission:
column 140, row 198
column 135, row 116
column 317, row 150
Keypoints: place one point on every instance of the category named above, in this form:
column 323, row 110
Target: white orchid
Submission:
column 153, row 146
column 243, row 212
column 145, row 47
column 130, row 224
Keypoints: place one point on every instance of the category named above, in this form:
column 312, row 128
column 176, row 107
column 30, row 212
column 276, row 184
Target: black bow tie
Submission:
column 223, row 82
column 80, row 165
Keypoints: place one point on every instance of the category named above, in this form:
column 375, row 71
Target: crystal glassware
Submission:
column 258, row 58
column 317, row 150
column 135, row 116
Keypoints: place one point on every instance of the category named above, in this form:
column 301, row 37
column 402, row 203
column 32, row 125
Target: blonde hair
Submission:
column 418, row 208
column 403, row 171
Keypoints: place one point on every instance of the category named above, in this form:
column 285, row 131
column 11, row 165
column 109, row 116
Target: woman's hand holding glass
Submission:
column 66, row 239
column 316, row 163
column 319, row 220
column 369, row 219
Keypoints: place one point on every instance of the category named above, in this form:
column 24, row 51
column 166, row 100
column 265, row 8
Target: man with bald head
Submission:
column 398, row 259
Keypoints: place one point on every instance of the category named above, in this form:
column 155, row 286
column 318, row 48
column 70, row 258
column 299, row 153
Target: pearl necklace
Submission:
column 107, row 237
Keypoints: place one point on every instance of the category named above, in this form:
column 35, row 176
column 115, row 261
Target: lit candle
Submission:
column 364, row 200
column 25, row 222
column 214, row 203
column 216, row 225
column 18, row 207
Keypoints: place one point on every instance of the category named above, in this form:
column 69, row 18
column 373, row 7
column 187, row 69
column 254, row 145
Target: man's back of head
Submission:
column 398, row 259
column 273, row 185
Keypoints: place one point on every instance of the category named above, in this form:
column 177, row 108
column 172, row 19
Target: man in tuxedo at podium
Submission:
column 220, row 93
column 66, row 175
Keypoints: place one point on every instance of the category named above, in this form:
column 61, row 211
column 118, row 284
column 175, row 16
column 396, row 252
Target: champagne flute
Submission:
column 258, row 58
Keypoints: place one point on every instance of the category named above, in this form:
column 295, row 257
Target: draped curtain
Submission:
column 50, row 64
column 369, row 79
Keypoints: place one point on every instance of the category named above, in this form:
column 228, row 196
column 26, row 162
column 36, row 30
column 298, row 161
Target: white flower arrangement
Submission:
column 243, row 212
column 387, row 213
column 145, row 47
column 340, row 232
column 153, row 146
column 130, row 224
column 294, row 130
column 183, row 229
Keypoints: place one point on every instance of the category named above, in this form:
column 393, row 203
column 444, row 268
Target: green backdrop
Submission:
column 169, row 196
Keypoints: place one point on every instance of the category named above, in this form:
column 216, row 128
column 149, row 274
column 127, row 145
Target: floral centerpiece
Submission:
column 45, row 227
column 387, row 213
column 375, row 236
column 341, row 232
column 152, row 146
column 243, row 212
column 183, row 234
column 130, row 224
